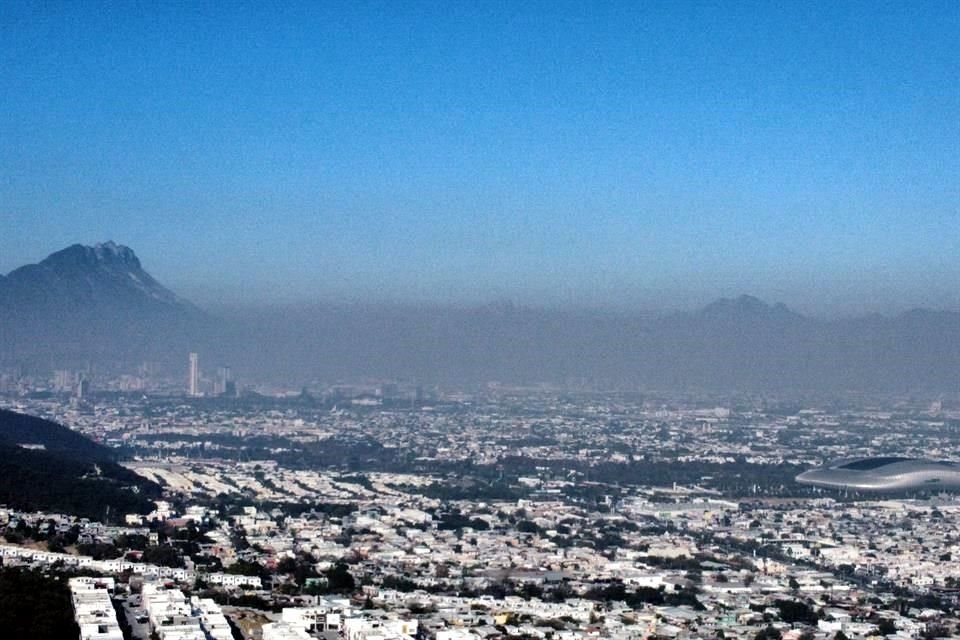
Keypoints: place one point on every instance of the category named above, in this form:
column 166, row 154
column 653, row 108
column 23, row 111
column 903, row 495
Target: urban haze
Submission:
column 479, row 321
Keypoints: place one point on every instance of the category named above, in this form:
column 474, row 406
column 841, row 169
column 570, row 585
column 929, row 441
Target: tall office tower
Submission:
column 224, row 378
column 194, row 375
column 82, row 389
column 63, row 380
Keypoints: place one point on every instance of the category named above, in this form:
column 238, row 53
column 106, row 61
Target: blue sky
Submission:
column 635, row 155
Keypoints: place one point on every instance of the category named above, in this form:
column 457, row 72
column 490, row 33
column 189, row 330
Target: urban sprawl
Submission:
column 386, row 511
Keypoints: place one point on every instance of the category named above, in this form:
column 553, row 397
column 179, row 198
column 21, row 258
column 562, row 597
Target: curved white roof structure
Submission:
column 881, row 474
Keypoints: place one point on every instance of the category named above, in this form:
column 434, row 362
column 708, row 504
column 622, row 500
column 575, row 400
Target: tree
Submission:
column 99, row 551
column 561, row 592
column 530, row 590
column 527, row 526
column 769, row 633
column 163, row 555
column 793, row 612
column 886, row 627
column 133, row 541
column 246, row 568
column 339, row 579
column 35, row 606
column 936, row 631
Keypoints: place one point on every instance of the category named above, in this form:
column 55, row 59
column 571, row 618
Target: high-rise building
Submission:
column 224, row 381
column 82, row 390
column 64, row 380
column 194, row 381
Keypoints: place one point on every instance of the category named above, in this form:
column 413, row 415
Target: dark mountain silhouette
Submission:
column 106, row 274
column 97, row 305
column 18, row 429
column 91, row 303
column 745, row 307
column 45, row 466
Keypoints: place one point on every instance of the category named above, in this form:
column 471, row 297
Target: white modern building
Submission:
column 93, row 610
column 194, row 379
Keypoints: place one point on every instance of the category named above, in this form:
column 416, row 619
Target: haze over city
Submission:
column 648, row 157
column 473, row 320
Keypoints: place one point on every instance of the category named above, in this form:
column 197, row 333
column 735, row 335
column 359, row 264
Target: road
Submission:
column 138, row 630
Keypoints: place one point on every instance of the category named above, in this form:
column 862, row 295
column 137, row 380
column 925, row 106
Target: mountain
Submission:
column 97, row 305
column 745, row 307
column 739, row 344
column 88, row 303
column 21, row 430
column 106, row 274
column 45, row 466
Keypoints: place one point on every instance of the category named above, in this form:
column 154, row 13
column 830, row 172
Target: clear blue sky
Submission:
column 646, row 154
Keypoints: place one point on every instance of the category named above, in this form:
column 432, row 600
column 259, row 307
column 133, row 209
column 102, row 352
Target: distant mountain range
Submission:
column 97, row 304
column 47, row 467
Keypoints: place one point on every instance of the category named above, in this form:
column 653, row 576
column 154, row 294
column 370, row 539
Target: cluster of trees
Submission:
column 174, row 545
column 735, row 478
column 338, row 580
column 71, row 474
column 471, row 488
column 42, row 532
column 453, row 520
column 34, row 605
column 33, row 480
column 301, row 574
column 55, row 438
column 795, row 611
column 640, row 596
column 164, row 555
column 399, row 583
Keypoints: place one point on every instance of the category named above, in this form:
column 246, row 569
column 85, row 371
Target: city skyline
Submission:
column 479, row 320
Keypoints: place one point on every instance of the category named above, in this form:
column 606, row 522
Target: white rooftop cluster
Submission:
column 211, row 618
column 93, row 609
column 173, row 617
column 284, row 631
column 120, row 565
column 379, row 629
column 335, row 615
column 327, row 615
